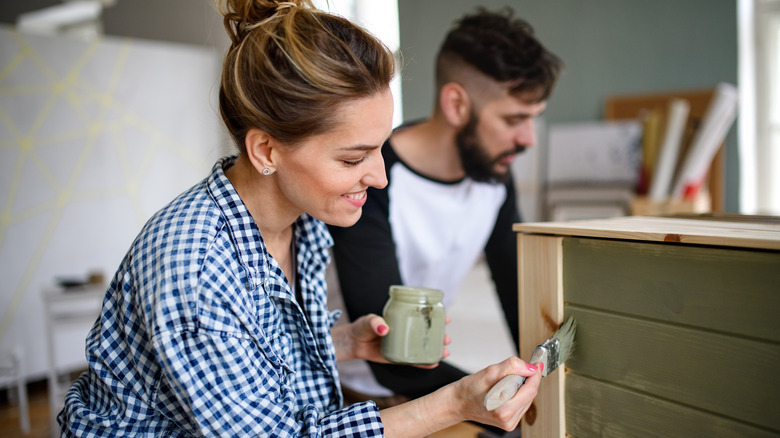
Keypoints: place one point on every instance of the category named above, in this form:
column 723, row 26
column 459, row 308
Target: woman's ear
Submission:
column 259, row 147
column 455, row 104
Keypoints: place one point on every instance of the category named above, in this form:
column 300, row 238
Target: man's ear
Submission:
column 259, row 147
column 455, row 104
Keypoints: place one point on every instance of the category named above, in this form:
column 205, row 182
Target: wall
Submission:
column 94, row 138
column 609, row 47
column 193, row 22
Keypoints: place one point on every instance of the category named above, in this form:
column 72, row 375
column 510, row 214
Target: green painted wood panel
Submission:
column 599, row 410
column 727, row 290
column 726, row 375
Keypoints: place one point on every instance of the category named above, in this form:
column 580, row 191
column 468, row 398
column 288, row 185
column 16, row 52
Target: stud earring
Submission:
column 266, row 171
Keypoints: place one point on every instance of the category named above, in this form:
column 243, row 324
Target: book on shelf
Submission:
column 670, row 149
column 653, row 120
column 659, row 178
column 715, row 124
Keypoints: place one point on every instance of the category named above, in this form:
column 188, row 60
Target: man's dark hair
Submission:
column 503, row 48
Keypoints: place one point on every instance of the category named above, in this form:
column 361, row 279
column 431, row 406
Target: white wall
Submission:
column 94, row 137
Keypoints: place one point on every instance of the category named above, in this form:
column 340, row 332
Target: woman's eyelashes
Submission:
column 354, row 162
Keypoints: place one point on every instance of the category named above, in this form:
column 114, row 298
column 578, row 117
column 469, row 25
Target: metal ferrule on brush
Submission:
column 551, row 353
column 547, row 353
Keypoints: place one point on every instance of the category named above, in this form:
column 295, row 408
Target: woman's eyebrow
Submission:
column 365, row 147
column 360, row 147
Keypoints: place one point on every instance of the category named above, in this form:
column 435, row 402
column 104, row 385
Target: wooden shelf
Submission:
column 633, row 106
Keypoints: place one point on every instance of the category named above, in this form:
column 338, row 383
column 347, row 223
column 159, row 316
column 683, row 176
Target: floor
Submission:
column 472, row 350
column 39, row 413
column 480, row 336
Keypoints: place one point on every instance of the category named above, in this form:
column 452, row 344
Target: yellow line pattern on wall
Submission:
column 77, row 92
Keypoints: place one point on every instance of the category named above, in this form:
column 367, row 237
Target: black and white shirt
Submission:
column 420, row 231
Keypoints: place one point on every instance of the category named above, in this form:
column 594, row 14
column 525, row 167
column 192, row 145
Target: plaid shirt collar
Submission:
column 311, row 235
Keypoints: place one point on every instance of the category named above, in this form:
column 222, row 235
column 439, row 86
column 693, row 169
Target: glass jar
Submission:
column 416, row 320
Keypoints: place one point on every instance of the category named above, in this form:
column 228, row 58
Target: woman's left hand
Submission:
column 362, row 339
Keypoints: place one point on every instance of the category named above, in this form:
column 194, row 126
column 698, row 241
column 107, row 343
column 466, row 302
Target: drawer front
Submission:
column 725, row 290
column 687, row 330
column 598, row 410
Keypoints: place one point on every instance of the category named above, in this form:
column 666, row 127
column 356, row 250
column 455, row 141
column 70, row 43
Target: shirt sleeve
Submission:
column 501, row 258
column 227, row 386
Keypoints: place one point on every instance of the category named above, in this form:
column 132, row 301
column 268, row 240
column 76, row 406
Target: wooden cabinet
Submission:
column 678, row 326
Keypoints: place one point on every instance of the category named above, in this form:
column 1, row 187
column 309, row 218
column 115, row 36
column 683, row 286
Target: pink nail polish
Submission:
column 532, row 368
column 382, row 329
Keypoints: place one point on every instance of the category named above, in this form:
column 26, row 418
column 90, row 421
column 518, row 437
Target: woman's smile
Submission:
column 356, row 199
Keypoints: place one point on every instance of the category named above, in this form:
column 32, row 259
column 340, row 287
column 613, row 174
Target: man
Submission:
column 450, row 195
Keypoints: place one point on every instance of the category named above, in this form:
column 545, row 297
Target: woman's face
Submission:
column 328, row 174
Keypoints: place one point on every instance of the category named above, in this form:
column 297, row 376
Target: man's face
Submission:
column 495, row 134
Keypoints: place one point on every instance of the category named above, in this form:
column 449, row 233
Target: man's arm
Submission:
column 501, row 257
column 366, row 263
column 365, row 260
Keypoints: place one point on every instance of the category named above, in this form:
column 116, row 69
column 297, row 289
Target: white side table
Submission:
column 70, row 314
column 12, row 373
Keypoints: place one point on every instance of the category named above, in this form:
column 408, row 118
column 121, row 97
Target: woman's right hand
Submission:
column 471, row 391
column 464, row 400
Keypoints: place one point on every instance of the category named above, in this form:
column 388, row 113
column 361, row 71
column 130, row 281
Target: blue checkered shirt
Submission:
column 200, row 333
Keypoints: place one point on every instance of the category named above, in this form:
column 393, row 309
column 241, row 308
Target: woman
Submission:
column 216, row 323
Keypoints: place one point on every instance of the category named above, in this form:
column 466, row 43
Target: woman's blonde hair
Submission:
column 290, row 66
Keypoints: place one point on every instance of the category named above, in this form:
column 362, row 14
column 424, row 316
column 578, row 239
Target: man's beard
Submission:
column 476, row 162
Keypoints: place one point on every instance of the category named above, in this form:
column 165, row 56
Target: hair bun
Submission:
column 285, row 5
column 243, row 16
column 290, row 65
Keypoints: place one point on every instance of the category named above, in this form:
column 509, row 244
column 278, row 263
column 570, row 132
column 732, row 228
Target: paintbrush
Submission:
column 553, row 352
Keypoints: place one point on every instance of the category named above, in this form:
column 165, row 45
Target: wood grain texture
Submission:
column 602, row 410
column 541, row 312
column 726, row 375
column 678, row 323
column 460, row 430
column 728, row 290
column 656, row 229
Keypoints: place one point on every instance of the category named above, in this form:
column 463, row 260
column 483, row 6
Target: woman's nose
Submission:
column 376, row 177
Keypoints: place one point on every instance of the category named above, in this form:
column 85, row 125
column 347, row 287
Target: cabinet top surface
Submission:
column 744, row 234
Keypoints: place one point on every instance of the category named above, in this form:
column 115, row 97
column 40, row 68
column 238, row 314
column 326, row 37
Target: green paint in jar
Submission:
column 416, row 319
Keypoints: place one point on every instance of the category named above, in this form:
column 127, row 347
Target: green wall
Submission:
column 609, row 47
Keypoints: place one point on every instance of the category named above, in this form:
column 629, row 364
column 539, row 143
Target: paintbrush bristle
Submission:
column 552, row 353
column 565, row 336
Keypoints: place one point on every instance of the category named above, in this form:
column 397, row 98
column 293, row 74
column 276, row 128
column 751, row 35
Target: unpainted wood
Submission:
column 647, row 206
column 600, row 410
column 460, row 430
column 726, row 375
column 655, row 229
column 728, row 290
column 541, row 311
